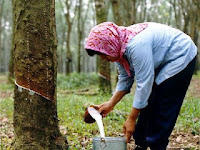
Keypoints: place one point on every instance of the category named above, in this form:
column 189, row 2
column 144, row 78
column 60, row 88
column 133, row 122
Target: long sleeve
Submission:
column 124, row 81
column 141, row 59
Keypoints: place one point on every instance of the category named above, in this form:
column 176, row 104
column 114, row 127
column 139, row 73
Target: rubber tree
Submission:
column 189, row 11
column 35, row 110
column 1, row 12
column 103, row 66
column 67, row 9
column 81, row 19
column 117, row 11
column 69, row 21
column 80, row 34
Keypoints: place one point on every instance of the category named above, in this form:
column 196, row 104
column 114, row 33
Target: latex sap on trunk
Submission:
column 35, row 60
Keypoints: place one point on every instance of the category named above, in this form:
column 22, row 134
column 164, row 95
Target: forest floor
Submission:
column 185, row 136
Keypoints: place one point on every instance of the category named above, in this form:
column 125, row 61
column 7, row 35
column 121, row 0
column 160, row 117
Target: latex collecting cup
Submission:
column 87, row 117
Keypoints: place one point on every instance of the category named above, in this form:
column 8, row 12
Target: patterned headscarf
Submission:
column 110, row 39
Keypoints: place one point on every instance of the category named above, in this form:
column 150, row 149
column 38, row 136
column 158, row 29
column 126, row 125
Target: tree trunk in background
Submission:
column 177, row 14
column 130, row 12
column 62, row 64
column 197, row 3
column 61, row 32
column 103, row 66
column 1, row 12
column 117, row 12
column 35, row 110
column 170, row 13
column 80, row 32
column 81, row 29
column 118, row 19
column 191, row 24
column 195, row 26
column 68, row 60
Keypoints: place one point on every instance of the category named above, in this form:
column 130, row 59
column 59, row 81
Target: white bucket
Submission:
column 109, row 143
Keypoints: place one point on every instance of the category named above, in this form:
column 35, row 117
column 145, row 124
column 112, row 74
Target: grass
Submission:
column 71, row 108
column 189, row 118
column 76, row 80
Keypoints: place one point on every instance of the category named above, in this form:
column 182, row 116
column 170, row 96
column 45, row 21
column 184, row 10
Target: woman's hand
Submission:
column 108, row 106
column 128, row 129
column 129, row 125
column 105, row 108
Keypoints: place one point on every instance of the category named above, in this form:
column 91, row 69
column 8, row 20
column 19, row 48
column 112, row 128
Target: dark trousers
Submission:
column 157, row 120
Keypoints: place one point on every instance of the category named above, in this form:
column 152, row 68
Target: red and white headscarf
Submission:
column 110, row 39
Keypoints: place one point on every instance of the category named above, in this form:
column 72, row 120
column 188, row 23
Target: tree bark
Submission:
column 103, row 66
column 131, row 12
column 190, row 12
column 118, row 19
column 80, row 32
column 68, row 55
column 195, row 26
column 177, row 14
column 117, row 11
column 68, row 60
column 1, row 14
column 69, row 20
column 62, row 41
column 35, row 110
column 81, row 29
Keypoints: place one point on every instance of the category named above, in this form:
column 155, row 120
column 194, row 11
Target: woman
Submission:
column 162, row 60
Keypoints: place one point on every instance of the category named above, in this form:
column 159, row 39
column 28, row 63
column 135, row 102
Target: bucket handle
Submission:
column 103, row 143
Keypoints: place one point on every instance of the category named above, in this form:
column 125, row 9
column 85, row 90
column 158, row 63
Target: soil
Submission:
column 194, row 89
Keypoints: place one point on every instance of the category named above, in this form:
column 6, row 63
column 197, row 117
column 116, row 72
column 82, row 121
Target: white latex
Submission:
column 31, row 92
column 96, row 115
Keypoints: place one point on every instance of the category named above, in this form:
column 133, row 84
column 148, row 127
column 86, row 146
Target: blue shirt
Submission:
column 158, row 47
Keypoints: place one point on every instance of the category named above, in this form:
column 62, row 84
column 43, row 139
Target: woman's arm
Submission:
column 108, row 106
column 123, row 87
column 129, row 125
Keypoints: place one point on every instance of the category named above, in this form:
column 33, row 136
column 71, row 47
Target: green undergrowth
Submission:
column 71, row 108
column 6, row 97
column 3, row 84
column 75, row 80
column 189, row 118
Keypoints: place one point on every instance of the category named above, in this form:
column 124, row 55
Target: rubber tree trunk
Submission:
column 35, row 110
column 80, row 33
column 103, row 66
column 117, row 12
column 68, row 61
column 1, row 14
column 69, row 20
column 118, row 19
